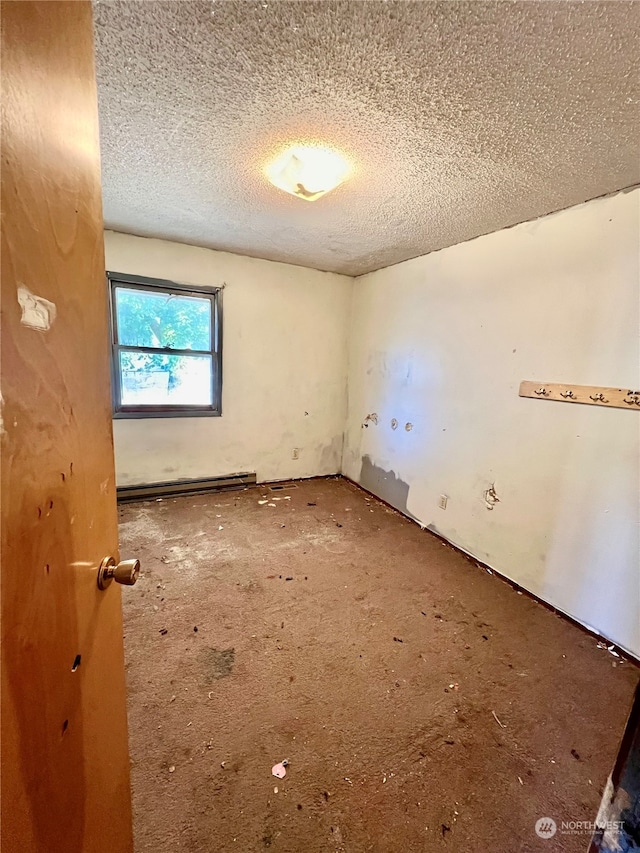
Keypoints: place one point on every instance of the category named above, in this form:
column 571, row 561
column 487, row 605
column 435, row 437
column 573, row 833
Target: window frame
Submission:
column 138, row 282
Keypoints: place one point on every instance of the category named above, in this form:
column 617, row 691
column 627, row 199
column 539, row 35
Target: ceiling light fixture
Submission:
column 308, row 171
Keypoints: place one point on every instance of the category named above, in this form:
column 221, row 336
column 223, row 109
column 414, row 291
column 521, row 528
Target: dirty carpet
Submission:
column 421, row 703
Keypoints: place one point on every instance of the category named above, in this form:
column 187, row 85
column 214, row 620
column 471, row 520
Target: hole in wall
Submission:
column 76, row 662
column 47, row 568
column 65, row 726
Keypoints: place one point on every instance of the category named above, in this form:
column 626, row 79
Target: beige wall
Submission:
column 284, row 370
column 443, row 342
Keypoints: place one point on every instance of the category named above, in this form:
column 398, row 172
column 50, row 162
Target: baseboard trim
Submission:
column 620, row 651
column 175, row 488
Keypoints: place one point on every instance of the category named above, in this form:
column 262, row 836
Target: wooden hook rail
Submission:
column 590, row 395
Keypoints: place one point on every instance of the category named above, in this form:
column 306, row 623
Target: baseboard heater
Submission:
column 175, row 488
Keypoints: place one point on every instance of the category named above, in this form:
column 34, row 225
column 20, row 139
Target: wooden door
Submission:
column 65, row 765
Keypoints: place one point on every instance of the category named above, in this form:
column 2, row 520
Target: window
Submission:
column 166, row 348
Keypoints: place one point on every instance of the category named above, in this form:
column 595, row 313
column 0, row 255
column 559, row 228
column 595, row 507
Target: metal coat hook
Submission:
column 589, row 395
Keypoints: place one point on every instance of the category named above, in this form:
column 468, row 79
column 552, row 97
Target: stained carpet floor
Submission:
column 422, row 703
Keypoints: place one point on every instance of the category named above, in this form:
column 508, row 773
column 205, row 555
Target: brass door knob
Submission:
column 125, row 572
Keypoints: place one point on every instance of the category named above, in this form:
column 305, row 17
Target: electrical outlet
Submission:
column 295, row 454
column 442, row 503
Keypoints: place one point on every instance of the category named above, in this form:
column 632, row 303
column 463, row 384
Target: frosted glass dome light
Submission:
column 308, row 171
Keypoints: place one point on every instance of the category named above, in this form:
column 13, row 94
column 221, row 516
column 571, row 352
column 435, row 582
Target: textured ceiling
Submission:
column 460, row 118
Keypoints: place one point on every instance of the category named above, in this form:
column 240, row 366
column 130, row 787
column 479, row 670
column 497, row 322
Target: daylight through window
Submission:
column 166, row 348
